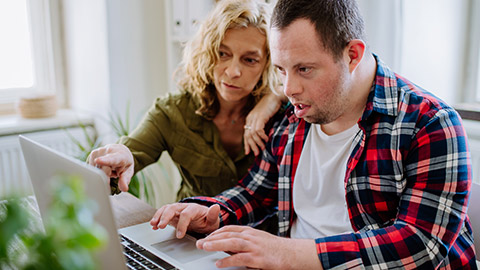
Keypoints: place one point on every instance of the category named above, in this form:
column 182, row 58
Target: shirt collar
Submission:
column 383, row 97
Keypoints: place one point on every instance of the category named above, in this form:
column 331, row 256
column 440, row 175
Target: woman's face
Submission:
column 242, row 59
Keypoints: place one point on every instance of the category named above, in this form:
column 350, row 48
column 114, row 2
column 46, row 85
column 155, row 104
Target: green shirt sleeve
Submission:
column 192, row 142
column 149, row 139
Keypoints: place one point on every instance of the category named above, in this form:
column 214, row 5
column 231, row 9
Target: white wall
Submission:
column 86, row 56
column 115, row 51
column 137, row 53
column 434, row 45
column 425, row 44
column 381, row 18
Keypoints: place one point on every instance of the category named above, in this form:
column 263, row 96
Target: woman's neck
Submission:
column 232, row 112
column 230, row 121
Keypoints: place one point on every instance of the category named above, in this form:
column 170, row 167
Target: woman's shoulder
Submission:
column 182, row 101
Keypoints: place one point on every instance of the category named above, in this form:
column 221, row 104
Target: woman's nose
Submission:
column 233, row 69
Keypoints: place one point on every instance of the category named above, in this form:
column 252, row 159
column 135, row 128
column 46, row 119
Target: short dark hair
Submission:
column 337, row 22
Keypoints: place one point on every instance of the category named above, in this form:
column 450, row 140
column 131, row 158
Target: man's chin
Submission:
column 311, row 119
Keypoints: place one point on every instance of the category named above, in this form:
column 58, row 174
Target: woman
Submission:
column 226, row 71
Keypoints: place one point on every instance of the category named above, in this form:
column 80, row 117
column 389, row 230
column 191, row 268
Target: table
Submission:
column 129, row 210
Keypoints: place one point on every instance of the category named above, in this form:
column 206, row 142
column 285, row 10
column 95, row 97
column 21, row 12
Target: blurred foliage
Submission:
column 92, row 142
column 69, row 241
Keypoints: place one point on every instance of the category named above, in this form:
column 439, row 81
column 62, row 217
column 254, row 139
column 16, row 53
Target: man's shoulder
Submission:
column 414, row 99
column 396, row 95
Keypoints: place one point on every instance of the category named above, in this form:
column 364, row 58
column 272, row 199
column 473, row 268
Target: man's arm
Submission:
column 255, row 190
column 253, row 199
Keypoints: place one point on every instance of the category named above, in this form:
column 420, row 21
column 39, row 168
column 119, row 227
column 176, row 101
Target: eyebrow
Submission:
column 248, row 53
column 252, row 53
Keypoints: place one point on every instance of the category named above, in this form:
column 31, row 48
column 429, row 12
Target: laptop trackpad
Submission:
column 182, row 250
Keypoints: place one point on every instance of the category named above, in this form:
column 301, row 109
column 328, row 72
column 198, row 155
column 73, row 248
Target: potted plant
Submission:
column 68, row 239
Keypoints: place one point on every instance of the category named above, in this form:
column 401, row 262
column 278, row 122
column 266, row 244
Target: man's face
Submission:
column 316, row 84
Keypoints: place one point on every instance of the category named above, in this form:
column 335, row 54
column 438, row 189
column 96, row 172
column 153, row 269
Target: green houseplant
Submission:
column 156, row 184
column 70, row 236
column 93, row 141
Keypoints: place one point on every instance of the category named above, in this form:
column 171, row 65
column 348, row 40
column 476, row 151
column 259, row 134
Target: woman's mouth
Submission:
column 230, row 86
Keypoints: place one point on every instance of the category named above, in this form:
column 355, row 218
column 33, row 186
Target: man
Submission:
column 364, row 170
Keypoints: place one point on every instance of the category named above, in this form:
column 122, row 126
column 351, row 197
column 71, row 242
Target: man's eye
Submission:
column 304, row 69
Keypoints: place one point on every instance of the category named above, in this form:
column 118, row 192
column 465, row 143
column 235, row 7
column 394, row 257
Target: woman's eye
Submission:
column 222, row 54
column 251, row 60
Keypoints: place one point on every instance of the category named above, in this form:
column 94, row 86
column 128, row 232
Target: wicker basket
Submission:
column 39, row 106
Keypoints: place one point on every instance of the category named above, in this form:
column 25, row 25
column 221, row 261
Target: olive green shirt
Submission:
column 193, row 143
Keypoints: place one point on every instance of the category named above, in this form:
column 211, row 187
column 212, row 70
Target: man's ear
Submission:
column 354, row 53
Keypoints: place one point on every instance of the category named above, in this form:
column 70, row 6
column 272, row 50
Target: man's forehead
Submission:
column 299, row 31
column 298, row 37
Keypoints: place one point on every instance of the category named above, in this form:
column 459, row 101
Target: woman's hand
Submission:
column 115, row 160
column 254, row 136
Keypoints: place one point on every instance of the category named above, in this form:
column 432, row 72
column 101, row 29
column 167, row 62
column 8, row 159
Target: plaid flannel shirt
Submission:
column 406, row 186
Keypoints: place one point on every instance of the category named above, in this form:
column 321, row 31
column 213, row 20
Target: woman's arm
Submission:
column 254, row 136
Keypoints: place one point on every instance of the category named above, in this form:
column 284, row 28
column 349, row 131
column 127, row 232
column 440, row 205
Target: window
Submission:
column 17, row 64
column 473, row 62
column 433, row 43
column 30, row 50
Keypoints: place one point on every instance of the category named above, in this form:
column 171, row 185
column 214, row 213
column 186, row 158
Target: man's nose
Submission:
column 291, row 86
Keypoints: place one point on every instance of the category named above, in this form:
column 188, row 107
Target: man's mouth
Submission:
column 300, row 106
column 301, row 109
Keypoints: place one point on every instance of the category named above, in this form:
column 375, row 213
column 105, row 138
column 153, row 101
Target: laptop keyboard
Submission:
column 139, row 258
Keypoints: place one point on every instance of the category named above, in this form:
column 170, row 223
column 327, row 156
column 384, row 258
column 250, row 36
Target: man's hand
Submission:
column 115, row 160
column 187, row 216
column 258, row 249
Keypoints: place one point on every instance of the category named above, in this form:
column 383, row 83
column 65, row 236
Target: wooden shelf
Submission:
column 469, row 111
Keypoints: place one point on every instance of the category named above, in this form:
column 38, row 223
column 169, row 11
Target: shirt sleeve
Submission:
column 254, row 198
column 431, row 212
column 149, row 139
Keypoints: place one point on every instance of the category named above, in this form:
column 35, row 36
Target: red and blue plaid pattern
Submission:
column 407, row 184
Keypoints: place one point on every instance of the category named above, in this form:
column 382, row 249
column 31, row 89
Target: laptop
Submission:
column 138, row 244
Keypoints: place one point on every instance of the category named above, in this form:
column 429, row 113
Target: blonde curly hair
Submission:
column 201, row 53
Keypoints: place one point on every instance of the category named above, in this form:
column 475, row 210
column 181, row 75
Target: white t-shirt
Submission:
column 319, row 189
